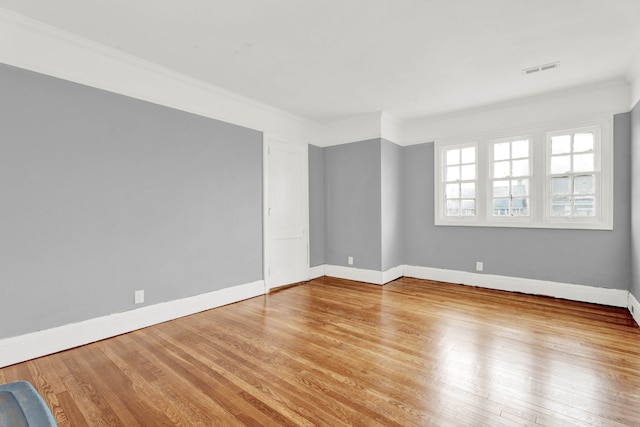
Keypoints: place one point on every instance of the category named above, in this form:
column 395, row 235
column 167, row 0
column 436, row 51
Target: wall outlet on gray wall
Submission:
column 350, row 260
column 138, row 297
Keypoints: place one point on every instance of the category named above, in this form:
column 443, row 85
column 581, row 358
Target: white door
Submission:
column 286, row 213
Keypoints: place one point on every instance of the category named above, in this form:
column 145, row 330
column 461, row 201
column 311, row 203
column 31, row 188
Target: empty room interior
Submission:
column 376, row 213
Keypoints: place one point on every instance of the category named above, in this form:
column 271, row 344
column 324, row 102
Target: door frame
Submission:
column 267, row 139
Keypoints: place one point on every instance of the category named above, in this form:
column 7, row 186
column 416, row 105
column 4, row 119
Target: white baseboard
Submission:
column 362, row 275
column 573, row 292
column 29, row 346
column 592, row 294
column 634, row 308
column 392, row 274
column 26, row 347
column 315, row 272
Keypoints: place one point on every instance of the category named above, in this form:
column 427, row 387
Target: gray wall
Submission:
column 392, row 218
column 597, row 258
column 360, row 211
column 635, row 199
column 352, row 204
column 316, row 206
column 103, row 195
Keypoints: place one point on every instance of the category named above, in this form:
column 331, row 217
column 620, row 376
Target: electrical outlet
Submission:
column 138, row 297
column 479, row 266
column 350, row 260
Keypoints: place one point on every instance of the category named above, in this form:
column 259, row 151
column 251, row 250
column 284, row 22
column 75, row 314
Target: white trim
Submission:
column 574, row 292
column 392, row 274
column 635, row 313
column 539, row 217
column 568, row 291
column 29, row 346
column 439, row 179
column 633, row 77
column 379, row 124
column 508, row 118
column 490, row 163
column 266, row 234
column 26, row 347
column 315, row 272
column 357, row 274
column 268, row 140
column 353, row 129
column 362, row 275
column 391, row 128
column 603, row 171
column 42, row 48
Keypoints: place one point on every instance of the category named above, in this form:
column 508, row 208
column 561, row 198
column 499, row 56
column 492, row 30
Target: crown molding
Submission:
column 357, row 128
column 633, row 77
column 599, row 99
column 379, row 124
column 45, row 49
column 391, row 128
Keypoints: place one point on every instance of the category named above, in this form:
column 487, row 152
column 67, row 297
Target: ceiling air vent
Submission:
column 540, row 68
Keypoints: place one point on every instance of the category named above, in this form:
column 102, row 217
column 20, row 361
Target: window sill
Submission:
column 556, row 225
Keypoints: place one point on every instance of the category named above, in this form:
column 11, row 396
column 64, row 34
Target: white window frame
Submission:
column 440, row 190
column 603, row 199
column 500, row 220
column 540, row 191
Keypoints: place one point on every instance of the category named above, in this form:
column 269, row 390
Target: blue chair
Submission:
column 22, row 406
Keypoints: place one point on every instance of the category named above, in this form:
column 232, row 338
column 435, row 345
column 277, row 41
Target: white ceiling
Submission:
column 327, row 60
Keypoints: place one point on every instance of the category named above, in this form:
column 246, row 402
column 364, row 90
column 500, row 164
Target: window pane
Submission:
column 453, row 173
column 560, row 164
column 561, row 206
column 561, row 144
column 520, row 168
column 583, row 162
column 520, row 149
column 584, row 184
column 468, row 172
column 453, row 157
column 501, row 207
column 501, row 151
column 520, row 206
column 561, row 185
column 453, row 207
column 585, row 206
column 468, row 207
column 500, row 188
column 501, row 169
column 453, row 191
column 519, row 187
column 582, row 142
column 468, row 190
column 469, row 155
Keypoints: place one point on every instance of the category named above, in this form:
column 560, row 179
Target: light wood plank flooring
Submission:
column 333, row 352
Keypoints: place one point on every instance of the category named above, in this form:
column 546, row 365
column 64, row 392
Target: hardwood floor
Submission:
column 333, row 352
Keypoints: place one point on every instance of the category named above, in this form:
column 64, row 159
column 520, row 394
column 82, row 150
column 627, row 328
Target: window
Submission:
column 460, row 182
column 573, row 176
column 510, row 177
column 548, row 177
